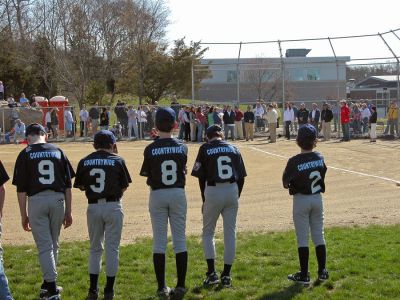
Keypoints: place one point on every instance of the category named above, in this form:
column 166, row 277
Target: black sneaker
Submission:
column 92, row 295
column 226, row 281
column 323, row 275
column 109, row 295
column 177, row 293
column 211, row 279
column 164, row 293
column 299, row 278
column 45, row 295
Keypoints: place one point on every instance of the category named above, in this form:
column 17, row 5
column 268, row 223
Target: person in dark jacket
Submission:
column 121, row 112
column 326, row 118
column 229, row 122
column 249, row 118
column 372, row 123
column 302, row 115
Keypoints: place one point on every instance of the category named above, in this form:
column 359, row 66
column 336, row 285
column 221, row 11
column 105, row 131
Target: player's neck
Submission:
column 306, row 151
column 164, row 135
column 106, row 150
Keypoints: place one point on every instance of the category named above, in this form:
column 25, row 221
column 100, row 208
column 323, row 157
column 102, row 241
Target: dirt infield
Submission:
column 361, row 188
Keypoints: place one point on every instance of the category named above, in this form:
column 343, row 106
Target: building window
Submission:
column 231, row 76
column 296, row 74
column 313, row 74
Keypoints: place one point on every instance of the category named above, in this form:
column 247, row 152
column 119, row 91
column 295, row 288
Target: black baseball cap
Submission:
column 307, row 132
column 213, row 129
column 34, row 129
column 105, row 137
column 165, row 119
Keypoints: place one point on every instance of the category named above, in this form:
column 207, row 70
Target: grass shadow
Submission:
column 287, row 293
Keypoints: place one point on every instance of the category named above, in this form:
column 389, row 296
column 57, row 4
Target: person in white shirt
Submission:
column 288, row 118
column 69, row 121
column 47, row 119
column 272, row 119
column 365, row 114
column 259, row 114
column 84, row 117
column 142, row 118
column 132, row 122
column 19, row 131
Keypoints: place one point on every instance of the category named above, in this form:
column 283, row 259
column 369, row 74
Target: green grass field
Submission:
column 364, row 263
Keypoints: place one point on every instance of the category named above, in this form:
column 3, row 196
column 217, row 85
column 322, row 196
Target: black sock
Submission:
column 303, row 258
column 109, row 284
column 94, row 279
column 44, row 285
column 181, row 267
column 210, row 266
column 159, row 268
column 226, row 271
column 52, row 287
column 320, row 251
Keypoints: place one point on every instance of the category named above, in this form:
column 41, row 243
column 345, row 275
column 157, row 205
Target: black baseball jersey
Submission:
column 42, row 167
column 3, row 175
column 305, row 174
column 218, row 162
column 164, row 164
column 102, row 175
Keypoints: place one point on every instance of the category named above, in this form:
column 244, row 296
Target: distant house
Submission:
column 306, row 78
column 380, row 88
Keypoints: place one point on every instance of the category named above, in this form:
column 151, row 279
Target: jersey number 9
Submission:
column 46, row 168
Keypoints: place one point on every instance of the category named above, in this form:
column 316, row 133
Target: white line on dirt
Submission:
column 334, row 168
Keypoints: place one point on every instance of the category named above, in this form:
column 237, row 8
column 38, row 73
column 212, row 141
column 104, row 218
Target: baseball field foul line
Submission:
column 334, row 168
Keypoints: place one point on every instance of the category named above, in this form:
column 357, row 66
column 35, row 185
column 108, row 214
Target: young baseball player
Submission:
column 164, row 166
column 220, row 169
column 304, row 177
column 4, row 289
column 104, row 178
column 43, row 177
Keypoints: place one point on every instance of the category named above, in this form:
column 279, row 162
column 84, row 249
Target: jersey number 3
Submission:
column 315, row 176
column 168, row 172
column 100, row 180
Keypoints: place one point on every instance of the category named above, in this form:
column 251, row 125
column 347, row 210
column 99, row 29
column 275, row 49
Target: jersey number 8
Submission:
column 168, row 172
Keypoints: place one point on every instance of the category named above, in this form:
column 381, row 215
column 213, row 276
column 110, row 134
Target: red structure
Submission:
column 60, row 102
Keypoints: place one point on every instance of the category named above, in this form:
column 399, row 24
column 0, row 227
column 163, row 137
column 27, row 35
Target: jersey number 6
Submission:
column 224, row 170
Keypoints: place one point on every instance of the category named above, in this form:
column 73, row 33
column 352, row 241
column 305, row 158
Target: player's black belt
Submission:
column 213, row 183
column 166, row 187
column 102, row 200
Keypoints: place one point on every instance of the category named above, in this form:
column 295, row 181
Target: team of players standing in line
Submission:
column 43, row 177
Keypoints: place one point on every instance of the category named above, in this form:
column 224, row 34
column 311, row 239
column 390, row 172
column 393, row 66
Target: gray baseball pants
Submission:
column 308, row 214
column 220, row 199
column 46, row 215
column 104, row 221
column 164, row 205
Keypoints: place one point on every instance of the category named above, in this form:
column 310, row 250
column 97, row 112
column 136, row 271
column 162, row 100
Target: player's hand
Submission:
column 67, row 220
column 25, row 223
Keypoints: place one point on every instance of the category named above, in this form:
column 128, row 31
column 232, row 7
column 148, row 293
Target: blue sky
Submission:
column 263, row 20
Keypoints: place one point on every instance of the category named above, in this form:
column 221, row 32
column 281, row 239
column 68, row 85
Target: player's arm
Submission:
column 202, row 185
column 240, row 184
column 22, row 197
column 68, row 208
column 2, row 197
column 286, row 177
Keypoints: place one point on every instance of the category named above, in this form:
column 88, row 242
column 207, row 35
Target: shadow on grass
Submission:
column 287, row 293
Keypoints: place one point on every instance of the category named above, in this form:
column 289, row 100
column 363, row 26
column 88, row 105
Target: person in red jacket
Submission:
column 345, row 120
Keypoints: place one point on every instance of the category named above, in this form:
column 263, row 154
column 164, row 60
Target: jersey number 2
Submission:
column 46, row 168
column 224, row 170
column 315, row 176
column 100, row 180
column 168, row 172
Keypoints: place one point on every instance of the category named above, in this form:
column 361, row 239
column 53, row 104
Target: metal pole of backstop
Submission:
column 337, row 80
column 398, row 70
column 283, row 78
column 192, row 83
column 238, row 76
